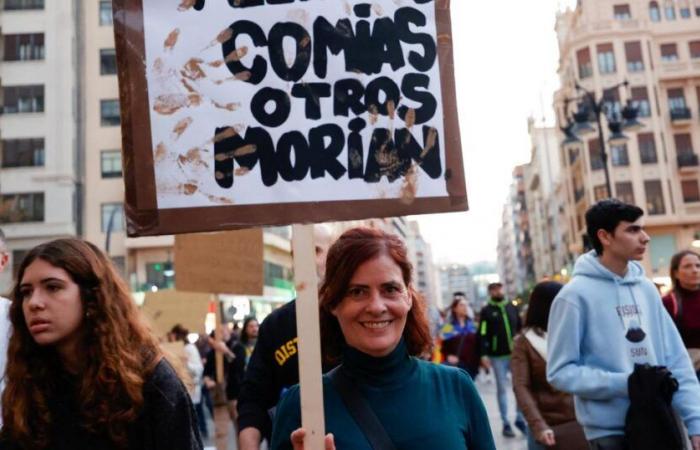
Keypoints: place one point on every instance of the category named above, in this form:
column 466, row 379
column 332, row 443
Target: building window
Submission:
column 619, row 156
column 622, row 12
column 600, row 192
column 109, row 112
column 276, row 275
column 684, row 9
column 654, row 12
column 22, row 153
column 15, row 208
column 684, row 144
column 625, row 192
column 23, row 99
column 111, row 163
column 11, row 5
column 633, row 55
column 606, row 58
column 647, row 148
column 24, row 47
column 655, row 197
column 691, row 192
column 115, row 212
column 694, row 49
column 160, row 275
column 669, row 10
column 595, row 155
column 676, row 99
column 105, row 12
column 640, row 100
column 611, row 99
column 108, row 61
column 583, row 58
column 669, row 52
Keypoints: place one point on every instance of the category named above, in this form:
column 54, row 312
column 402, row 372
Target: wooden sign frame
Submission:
column 143, row 216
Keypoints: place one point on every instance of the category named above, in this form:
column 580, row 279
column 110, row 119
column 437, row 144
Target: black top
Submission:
column 273, row 367
column 499, row 323
column 167, row 421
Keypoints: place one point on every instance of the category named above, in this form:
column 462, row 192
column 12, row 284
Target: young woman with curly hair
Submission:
column 83, row 369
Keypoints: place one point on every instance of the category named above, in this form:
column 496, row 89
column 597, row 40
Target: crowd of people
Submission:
column 603, row 362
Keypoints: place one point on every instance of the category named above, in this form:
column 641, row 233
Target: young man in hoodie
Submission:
column 606, row 320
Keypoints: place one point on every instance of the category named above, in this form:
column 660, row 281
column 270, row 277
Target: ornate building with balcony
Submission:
column 655, row 47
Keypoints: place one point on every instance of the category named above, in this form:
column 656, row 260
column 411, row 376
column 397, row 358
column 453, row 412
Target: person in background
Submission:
column 458, row 336
column 373, row 320
column 193, row 363
column 242, row 351
column 683, row 301
column 83, row 369
column 223, row 405
column 5, row 325
column 274, row 364
column 499, row 323
column 609, row 322
column 549, row 412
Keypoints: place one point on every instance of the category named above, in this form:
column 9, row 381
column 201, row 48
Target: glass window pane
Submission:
column 108, row 61
column 655, row 197
column 109, row 110
column 105, row 12
column 111, row 163
column 691, row 191
column 115, row 213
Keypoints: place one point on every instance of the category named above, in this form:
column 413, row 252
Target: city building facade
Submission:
column 39, row 152
column 654, row 46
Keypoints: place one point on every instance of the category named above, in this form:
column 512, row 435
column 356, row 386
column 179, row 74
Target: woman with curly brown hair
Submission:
column 84, row 371
column 374, row 321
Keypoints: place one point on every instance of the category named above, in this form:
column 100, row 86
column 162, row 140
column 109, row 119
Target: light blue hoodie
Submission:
column 600, row 325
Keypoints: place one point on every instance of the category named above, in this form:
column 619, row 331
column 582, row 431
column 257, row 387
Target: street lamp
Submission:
column 590, row 108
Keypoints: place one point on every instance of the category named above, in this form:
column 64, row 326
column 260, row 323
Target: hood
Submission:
column 588, row 265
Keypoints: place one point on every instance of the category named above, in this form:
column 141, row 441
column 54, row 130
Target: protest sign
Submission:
column 250, row 112
column 224, row 262
column 166, row 308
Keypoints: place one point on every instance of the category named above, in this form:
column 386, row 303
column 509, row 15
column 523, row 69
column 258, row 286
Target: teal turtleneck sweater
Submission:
column 421, row 405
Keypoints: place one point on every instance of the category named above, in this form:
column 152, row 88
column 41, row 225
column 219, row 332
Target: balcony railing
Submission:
column 680, row 114
column 687, row 159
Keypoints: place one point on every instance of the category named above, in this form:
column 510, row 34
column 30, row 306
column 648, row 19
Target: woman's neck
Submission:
column 69, row 354
column 689, row 287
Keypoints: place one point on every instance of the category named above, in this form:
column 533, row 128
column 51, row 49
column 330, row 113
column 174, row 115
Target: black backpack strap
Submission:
column 360, row 410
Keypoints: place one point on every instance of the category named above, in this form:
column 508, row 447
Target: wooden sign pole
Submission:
column 309, row 333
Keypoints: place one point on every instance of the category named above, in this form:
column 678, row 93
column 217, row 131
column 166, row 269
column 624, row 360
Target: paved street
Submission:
column 487, row 389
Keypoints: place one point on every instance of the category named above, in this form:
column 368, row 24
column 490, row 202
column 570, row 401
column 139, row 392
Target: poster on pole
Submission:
column 228, row 262
column 259, row 112
column 166, row 308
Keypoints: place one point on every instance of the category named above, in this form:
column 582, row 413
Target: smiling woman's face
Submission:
column 372, row 314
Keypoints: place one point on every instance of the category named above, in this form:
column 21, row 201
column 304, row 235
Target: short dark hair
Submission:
column 458, row 293
column 607, row 215
column 540, row 303
column 493, row 286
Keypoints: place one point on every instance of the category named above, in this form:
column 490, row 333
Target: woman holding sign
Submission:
column 83, row 369
column 373, row 321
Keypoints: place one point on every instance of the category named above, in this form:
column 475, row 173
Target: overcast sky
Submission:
column 505, row 62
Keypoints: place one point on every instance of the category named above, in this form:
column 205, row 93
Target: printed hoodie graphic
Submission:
column 600, row 325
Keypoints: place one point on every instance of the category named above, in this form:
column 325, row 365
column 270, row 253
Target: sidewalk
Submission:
column 487, row 388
